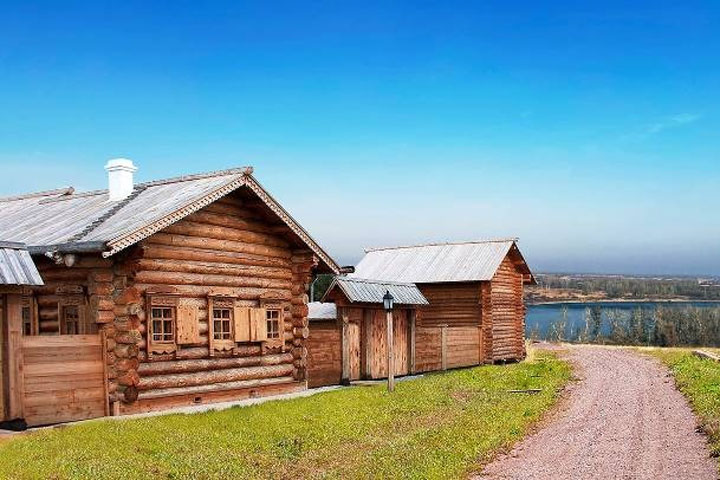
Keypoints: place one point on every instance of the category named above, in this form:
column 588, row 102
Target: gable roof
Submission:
column 322, row 311
column 61, row 220
column 439, row 263
column 16, row 266
column 360, row 290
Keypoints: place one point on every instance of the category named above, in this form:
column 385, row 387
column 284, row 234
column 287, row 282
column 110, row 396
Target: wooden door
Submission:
column 377, row 350
column 63, row 379
column 354, row 350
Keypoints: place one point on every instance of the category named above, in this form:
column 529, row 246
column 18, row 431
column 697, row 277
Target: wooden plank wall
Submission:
column 462, row 346
column 63, row 378
column 507, row 313
column 428, row 349
column 324, row 353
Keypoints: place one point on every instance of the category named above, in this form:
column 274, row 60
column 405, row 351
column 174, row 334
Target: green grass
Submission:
column 699, row 380
column 439, row 426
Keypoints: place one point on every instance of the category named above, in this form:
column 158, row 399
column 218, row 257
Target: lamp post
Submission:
column 388, row 302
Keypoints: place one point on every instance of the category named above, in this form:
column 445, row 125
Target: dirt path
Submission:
column 623, row 420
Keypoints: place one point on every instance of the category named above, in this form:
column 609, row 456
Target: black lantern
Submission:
column 388, row 301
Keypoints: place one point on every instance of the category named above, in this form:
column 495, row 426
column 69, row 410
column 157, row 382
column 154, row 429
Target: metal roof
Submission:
column 16, row 266
column 436, row 263
column 360, row 290
column 322, row 311
column 61, row 219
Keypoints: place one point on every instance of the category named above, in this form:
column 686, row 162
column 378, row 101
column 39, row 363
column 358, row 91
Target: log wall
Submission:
column 451, row 304
column 508, row 313
column 227, row 249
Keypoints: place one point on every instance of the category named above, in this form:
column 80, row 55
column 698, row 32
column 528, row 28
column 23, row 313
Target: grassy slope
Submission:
column 439, row 426
column 699, row 381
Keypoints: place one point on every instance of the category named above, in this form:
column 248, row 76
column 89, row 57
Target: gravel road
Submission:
column 623, row 419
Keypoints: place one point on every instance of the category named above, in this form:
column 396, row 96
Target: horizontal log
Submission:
column 231, row 220
column 212, row 268
column 177, row 240
column 172, row 278
column 217, row 387
column 205, row 364
column 215, row 376
column 206, row 255
column 241, row 293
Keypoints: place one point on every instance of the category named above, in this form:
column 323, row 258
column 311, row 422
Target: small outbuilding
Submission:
column 476, row 312
column 348, row 335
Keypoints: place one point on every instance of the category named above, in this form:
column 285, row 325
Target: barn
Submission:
column 472, row 310
column 168, row 293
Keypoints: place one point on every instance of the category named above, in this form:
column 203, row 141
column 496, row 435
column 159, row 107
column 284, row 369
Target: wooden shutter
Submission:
column 258, row 325
column 241, row 317
column 188, row 327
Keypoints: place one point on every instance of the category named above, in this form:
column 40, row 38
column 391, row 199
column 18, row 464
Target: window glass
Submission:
column 163, row 319
column 273, row 323
column 222, row 324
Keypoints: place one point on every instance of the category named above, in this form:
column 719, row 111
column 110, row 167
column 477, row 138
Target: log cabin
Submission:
column 161, row 294
column 348, row 336
column 475, row 312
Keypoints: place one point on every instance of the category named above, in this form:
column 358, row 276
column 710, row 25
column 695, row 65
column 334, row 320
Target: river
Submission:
column 541, row 320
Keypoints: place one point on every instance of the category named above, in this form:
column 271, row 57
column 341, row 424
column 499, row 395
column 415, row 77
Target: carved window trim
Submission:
column 160, row 346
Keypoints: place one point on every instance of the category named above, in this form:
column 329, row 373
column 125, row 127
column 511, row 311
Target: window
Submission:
column 70, row 320
column 222, row 324
column 27, row 321
column 163, row 325
column 273, row 323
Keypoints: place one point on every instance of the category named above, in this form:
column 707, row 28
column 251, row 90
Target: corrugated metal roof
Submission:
column 322, row 311
column 360, row 290
column 61, row 218
column 435, row 263
column 16, row 266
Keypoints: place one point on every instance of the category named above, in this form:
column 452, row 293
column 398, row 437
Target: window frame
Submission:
column 165, row 346
column 163, row 320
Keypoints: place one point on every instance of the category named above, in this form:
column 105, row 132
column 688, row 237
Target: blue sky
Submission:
column 589, row 131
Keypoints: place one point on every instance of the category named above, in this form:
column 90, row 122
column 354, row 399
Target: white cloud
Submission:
column 672, row 122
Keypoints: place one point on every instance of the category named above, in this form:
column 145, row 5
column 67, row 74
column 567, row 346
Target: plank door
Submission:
column 354, row 340
column 63, row 378
column 378, row 346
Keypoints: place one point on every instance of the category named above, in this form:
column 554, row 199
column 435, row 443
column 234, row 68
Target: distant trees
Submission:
column 633, row 288
column 671, row 326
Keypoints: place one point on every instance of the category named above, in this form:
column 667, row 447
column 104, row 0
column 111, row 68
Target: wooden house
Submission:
column 167, row 293
column 348, row 336
column 17, row 275
column 476, row 312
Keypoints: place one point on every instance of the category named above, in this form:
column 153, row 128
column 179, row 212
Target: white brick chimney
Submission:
column 120, row 178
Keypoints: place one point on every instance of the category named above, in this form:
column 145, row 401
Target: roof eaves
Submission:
column 125, row 240
column 441, row 244
column 255, row 186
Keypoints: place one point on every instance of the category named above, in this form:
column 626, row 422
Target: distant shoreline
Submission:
column 621, row 300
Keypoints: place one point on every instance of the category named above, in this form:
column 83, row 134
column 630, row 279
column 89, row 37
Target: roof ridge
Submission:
column 64, row 198
column 442, row 244
column 370, row 280
column 106, row 216
column 248, row 170
column 44, row 193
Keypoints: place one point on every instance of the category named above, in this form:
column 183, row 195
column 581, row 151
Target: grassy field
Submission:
column 439, row 426
column 699, row 381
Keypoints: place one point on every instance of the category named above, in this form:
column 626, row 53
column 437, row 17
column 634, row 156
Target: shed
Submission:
column 173, row 292
column 17, row 274
column 353, row 344
column 476, row 311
